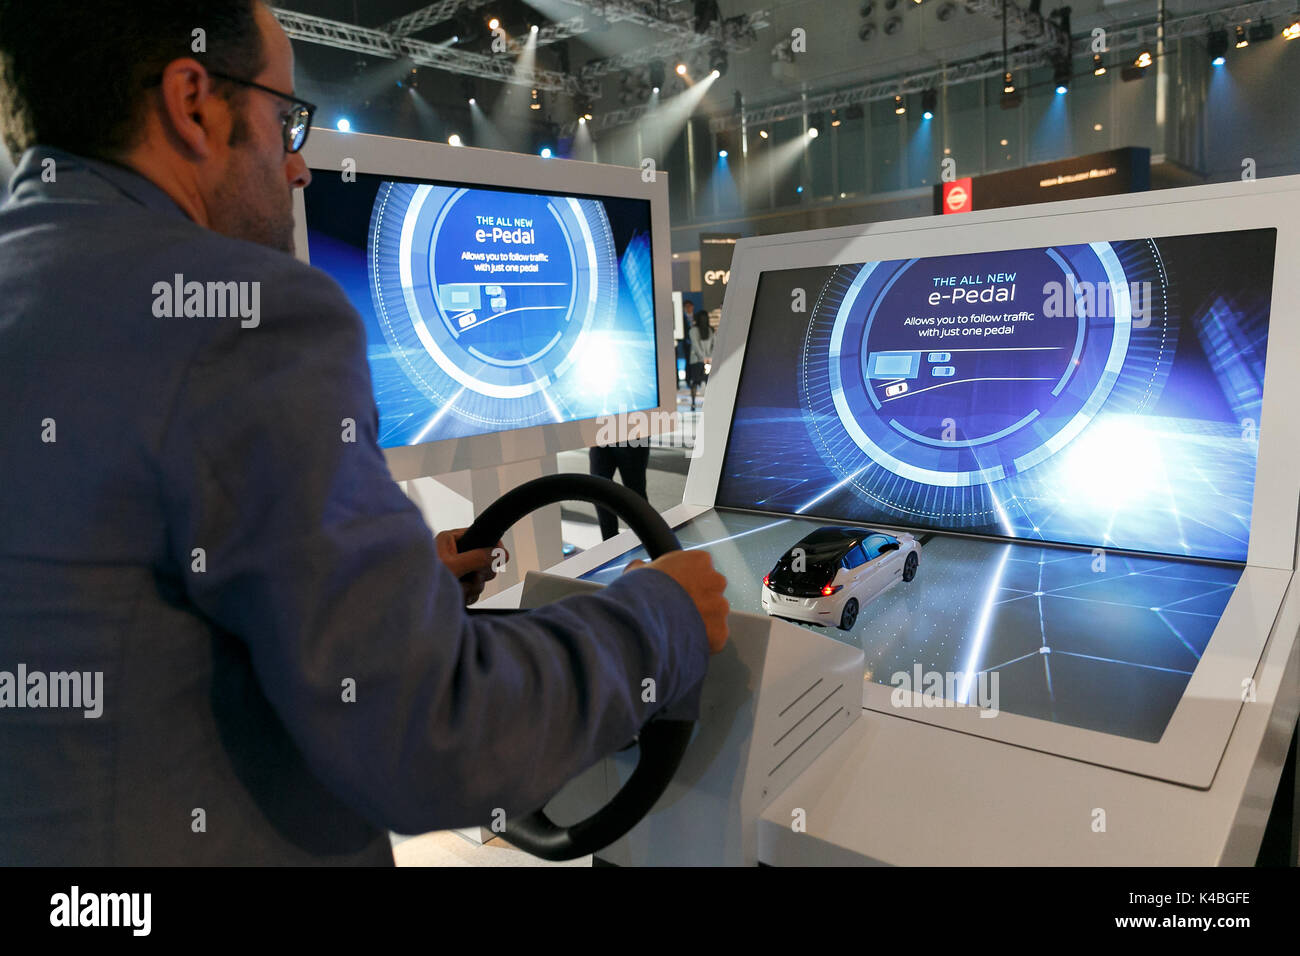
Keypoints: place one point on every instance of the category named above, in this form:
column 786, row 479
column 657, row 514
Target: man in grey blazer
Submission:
column 226, row 636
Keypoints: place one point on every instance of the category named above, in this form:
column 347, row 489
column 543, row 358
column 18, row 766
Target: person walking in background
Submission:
column 701, row 338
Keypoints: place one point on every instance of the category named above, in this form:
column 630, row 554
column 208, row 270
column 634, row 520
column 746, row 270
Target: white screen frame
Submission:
column 1194, row 740
column 414, row 159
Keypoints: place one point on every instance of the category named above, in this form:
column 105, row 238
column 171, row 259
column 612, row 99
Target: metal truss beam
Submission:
column 984, row 66
column 432, row 15
column 375, row 42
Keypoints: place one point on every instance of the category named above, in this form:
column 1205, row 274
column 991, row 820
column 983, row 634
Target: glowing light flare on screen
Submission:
column 599, row 364
column 1115, row 463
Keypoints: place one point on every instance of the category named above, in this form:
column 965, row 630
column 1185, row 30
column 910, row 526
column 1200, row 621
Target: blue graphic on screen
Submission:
column 489, row 310
column 1105, row 394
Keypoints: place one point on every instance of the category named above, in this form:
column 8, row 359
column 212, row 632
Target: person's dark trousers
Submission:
column 631, row 463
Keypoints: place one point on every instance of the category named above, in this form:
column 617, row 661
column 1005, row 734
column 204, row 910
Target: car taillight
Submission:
column 767, row 580
column 830, row 589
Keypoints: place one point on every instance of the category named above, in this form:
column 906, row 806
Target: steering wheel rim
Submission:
column 663, row 742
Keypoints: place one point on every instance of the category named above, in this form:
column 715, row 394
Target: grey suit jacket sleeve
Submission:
column 314, row 557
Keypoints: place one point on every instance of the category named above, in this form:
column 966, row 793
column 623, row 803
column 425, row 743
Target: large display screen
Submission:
column 490, row 309
column 1105, row 394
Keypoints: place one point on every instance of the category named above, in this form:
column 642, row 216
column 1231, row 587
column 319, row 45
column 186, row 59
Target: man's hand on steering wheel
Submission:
column 695, row 572
column 474, row 569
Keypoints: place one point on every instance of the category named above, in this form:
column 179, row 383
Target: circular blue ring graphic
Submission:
column 929, row 381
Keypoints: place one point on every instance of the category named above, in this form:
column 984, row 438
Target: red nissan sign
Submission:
column 957, row 196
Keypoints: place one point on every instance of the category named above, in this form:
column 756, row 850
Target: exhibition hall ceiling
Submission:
column 844, row 42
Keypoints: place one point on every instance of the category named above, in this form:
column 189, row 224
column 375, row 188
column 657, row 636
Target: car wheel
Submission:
column 909, row 566
column 849, row 615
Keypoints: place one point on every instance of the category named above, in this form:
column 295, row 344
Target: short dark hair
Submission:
column 74, row 73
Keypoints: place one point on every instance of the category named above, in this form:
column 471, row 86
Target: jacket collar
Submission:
column 80, row 179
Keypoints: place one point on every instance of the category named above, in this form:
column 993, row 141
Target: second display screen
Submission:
column 1105, row 394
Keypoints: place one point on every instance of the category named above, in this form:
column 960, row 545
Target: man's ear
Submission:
column 193, row 117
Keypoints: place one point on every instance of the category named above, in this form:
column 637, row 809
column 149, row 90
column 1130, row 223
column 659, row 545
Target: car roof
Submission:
column 833, row 539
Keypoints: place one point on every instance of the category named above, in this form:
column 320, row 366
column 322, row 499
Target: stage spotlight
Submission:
column 533, row 29
column 835, row 117
column 812, row 132
column 722, row 154
column 343, row 125
column 654, row 89
column 1138, row 69
column 715, row 74
column 899, row 106
column 1098, row 67
column 1011, row 97
column 681, row 69
column 1261, row 32
column 718, row 60
column 455, row 140
column 657, row 74
column 762, row 133
column 866, row 31
column 467, row 28
column 494, row 24
column 473, row 101
column 893, row 25
column 1292, row 31
column 929, row 103
column 1061, row 76
column 1216, row 45
column 535, row 101
column 582, row 121
column 545, row 152
column 1242, row 41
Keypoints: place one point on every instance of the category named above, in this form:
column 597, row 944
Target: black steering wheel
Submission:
column 663, row 742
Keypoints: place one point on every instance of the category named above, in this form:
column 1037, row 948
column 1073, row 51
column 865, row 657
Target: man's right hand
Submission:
column 694, row 571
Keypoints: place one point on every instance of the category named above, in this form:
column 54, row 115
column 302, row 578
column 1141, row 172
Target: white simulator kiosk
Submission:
column 514, row 306
column 1085, row 412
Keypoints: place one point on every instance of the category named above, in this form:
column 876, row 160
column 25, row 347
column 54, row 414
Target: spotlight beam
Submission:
column 660, row 126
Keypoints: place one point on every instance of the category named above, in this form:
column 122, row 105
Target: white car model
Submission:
column 829, row 576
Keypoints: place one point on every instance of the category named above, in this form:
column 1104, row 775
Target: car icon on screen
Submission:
column 898, row 388
column 830, row 575
column 943, row 371
column 939, row 357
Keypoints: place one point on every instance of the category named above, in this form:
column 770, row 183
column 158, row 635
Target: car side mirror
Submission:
column 892, row 546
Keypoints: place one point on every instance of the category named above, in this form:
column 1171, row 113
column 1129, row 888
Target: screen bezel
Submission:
column 328, row 150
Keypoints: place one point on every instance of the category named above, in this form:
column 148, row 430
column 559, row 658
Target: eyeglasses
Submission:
column 297, row 121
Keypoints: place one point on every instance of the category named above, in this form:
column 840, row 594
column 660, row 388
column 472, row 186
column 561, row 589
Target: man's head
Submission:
column 130, row 81
column 688, row 308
